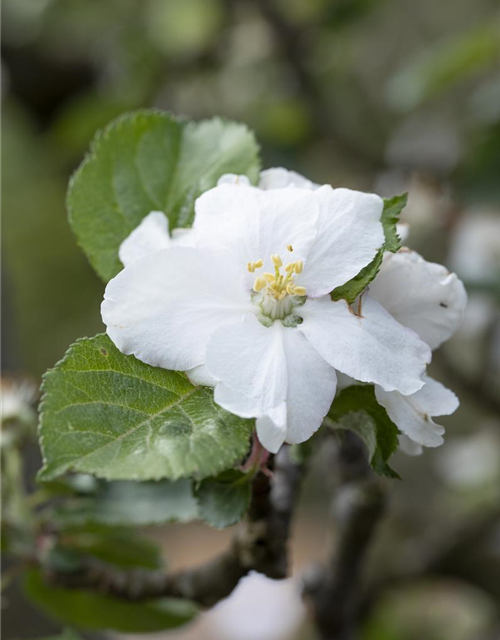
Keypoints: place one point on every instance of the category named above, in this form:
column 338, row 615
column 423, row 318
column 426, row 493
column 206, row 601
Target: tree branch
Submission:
column 333, row 592
column 260, row 544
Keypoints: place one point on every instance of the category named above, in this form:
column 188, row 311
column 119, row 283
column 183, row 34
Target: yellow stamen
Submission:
column 299, row 266
column 289, row 247
column 251, row 266
column 300, row 291
column 277, row 261
column 259, row 283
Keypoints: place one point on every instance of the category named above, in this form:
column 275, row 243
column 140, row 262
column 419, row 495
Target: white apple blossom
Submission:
column 246, row 307
column 430, row 300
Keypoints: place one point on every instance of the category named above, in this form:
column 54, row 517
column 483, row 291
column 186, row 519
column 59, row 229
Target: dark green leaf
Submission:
column 356, row 408
column 66, row 634
column 224, row 500
column 90, row 610
column 130, row 504
column 390, row 216
column 112, row 416
column 120, row 547
column 150, row 161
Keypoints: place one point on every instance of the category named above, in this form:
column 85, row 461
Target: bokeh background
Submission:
column 383, row 95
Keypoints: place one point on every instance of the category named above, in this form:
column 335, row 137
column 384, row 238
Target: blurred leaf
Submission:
column 357, row 409
column 445, row 64
column 115, row 417
column 184, row 26
column 224, row 500
column 90, row 610
column 66, row 634
column 150, row 161
column 390, row 217
column 120, row 547
column 130, row 504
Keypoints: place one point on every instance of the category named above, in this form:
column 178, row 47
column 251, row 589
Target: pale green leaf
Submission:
column 89, row 610
column 123, row 503
column 114, row 417
column 150, row 161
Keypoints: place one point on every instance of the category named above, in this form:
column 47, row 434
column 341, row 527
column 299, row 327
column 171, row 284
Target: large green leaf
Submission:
column 125, row 503
column 115, row 417
column 356, row 408
column 390, row 216
column 224, row 500
column 90, row 610
column 150, row 161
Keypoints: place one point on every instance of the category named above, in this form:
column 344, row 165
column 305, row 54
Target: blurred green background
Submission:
column 383, row 95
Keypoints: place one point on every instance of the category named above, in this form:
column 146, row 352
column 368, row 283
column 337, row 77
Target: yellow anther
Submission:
column 290, row 267
column 299, row 266
column 251, row 266
column 290, row 288
column 269, row 276
column 300, row 291
column 277, row 261
column 259, row 283
column 289, row 247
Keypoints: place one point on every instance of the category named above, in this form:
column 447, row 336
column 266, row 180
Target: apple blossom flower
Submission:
column 246, row 306
column 427, row 298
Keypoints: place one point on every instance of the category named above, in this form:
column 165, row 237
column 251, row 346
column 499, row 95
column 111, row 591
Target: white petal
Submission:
column 233, row 178
column 272, row 374
column 150, row 236
column 255, row 224
column 164, row 308
column 311, row 387
column 279, row 178
column 409, row 447
column 372, row 348
column 421, row 295
column 248, row 360
column 199, row 376
column 349, row 235
column 413, row 414
column 271, row 428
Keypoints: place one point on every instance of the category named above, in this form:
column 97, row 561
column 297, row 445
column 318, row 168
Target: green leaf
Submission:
column 90, row 610
column 224, row 500
column 117, row 418
column 390, row 216
column 120, row 547
column 66, row 634
column 356, row 408
column 125, row 503
column 150, row 161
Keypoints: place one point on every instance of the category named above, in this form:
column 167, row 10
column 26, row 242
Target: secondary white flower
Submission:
column 430, row 300
column 247, row 306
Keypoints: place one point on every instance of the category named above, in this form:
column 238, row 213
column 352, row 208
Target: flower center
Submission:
column 276, row 293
